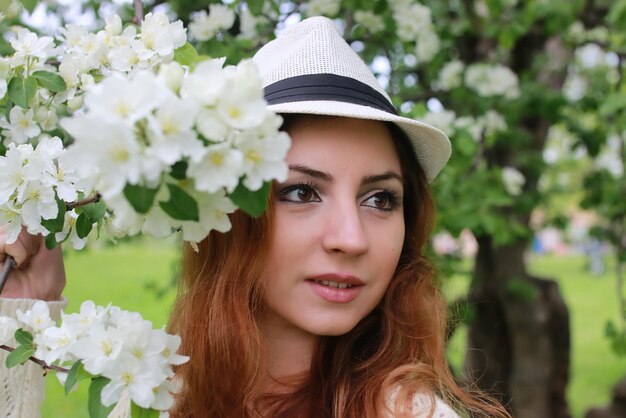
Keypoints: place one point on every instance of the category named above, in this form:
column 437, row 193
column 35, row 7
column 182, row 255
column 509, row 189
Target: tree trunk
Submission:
column 617, row 409
column 519, row 339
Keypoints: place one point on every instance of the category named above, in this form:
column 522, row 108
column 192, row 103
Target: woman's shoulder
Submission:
column 420, row 404
column 423, row 405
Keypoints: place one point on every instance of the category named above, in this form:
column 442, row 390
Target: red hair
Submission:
column 394, row 352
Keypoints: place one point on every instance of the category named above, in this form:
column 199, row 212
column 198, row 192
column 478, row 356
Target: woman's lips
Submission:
column 336, row 288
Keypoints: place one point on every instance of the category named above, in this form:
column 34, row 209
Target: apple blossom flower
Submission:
column 12, row 218
column 264, row 158
column 8, row 326
column 20, row 126
column 161, row 36
column 471, row 125
column 69, row 231
column 493, row 122
column 28, row 45
column 450, row 75
column 213, row 211
column 370, row 21
column 443, row 120
column 428, row 44
column 219, row 167
column 513, row 180
column 327, row 8
column 492, row 80
column 206, row 82
column 204, row 26
column 37, row 318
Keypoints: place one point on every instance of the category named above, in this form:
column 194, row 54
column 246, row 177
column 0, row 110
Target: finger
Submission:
column 31, row 244
column 15, row 250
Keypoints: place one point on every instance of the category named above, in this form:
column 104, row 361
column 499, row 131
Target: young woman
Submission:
column 325, row 306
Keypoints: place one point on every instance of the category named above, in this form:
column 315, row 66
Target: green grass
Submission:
column 122, row 274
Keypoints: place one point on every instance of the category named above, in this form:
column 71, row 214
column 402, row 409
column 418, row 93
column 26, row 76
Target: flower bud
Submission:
column 5, row 68
column 75, row 103
column 14, row 9
column 173, row 74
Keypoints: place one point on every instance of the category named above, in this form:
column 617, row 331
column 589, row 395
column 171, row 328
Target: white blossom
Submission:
column 219, row 167
column 242, row 105
column 205, row 83
column 575, row 87
column 411, row 19
column 428, row 44
column 28, row 45
column 138, row 378
column 8, row 326
column 12, row 218
column 204, row 26
column 492, row 80
column 20, row 127
column 3, row 87
column 443, row 120
column 513, row 180
column 161, row 36
column 493, row 122
column 473, row 126
column 69, row 231
column 328, row 8
column 590, row 55
column 213, row 211
column 263, row 158
column 370, row 21
column 450, row 75
column 37, row 318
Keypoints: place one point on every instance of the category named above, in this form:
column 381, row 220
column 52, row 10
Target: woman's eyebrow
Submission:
column 382, row 177
column 322, row 175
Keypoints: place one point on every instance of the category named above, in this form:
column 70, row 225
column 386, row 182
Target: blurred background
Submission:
column 531, row 232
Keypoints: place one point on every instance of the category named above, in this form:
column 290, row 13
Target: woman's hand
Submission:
column 39, row 274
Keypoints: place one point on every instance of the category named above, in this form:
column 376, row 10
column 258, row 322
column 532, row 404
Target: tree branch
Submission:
column 44, row 366
column 86, row 201
column 138, row 12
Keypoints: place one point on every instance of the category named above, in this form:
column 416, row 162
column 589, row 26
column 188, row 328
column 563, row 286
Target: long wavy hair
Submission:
column 374, row 370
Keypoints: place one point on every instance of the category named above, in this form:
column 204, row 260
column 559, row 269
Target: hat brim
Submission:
column 431, row 146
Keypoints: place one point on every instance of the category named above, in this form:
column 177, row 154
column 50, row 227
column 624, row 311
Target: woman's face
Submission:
column 338, row 226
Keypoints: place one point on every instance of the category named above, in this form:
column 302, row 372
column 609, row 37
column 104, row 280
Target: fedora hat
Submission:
column 309, row 68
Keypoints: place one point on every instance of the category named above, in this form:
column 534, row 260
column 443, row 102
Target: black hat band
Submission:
column 331, row 87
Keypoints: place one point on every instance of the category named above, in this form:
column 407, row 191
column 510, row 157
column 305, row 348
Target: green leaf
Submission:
column 19, row 356
column 22, row 90
column 51, row 241
column 50, row 81
column 253, row 203
column 76, row 374
column 179, row 170
column 94, row 211
column 83, row 226
column 141, row 198
column 181, row 206
column 186, row 55
column 23, row 337
column 56, row 224
column 256, row 6
column 30, row 5
column 94, row 405
column 139, row 412
column 613, row 104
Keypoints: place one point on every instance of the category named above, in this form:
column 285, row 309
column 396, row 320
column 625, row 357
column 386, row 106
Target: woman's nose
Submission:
column 344, row 230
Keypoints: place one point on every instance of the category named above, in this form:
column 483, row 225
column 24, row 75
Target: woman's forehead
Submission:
column 344, row 141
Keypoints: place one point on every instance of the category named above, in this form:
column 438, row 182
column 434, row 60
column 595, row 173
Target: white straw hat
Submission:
column 310, row 69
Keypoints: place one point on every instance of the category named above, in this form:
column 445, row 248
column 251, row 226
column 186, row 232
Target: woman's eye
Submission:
column 384, row 200
column 299, row 193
